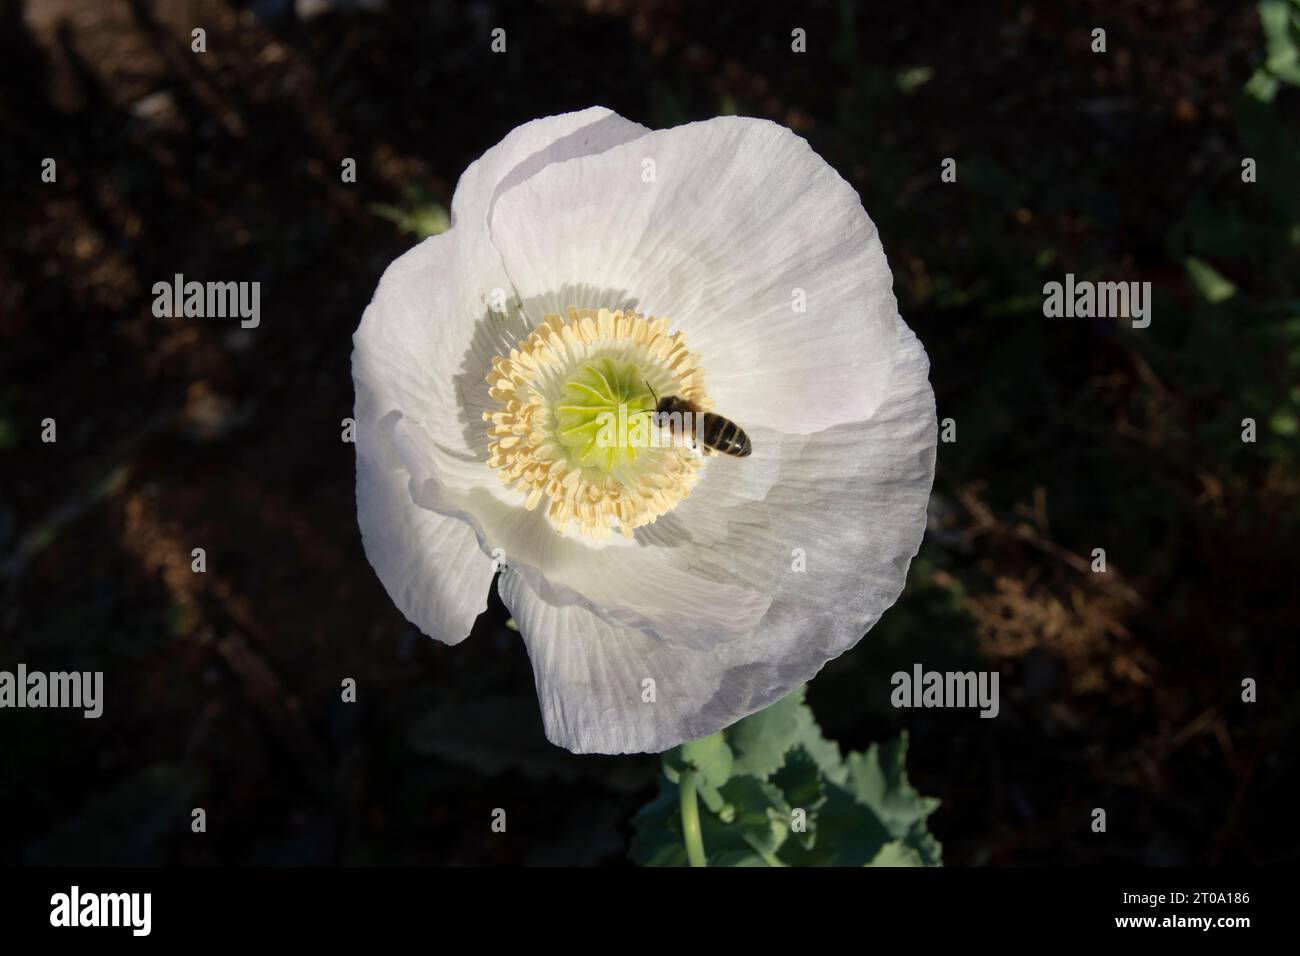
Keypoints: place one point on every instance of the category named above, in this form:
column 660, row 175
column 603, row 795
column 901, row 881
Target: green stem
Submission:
column 691, row 819
column 770, row 858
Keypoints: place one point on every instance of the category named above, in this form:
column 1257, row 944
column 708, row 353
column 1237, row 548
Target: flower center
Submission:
column 598, row 420
column 571, row 424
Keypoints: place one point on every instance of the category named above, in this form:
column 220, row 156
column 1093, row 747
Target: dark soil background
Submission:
column 1120, row 691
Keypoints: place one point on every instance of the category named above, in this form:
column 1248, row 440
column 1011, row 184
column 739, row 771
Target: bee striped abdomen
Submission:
column 725, row 436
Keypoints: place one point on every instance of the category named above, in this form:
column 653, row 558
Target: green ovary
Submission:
column 587, row 415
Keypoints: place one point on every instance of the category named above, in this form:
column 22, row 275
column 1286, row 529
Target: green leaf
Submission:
column 418, row 212
column 859, row 811
column 1280, row 20
column 897, row 854
column 928, row 849
column 913, row 78
column 1209, row 282
column 847, row 834
column 800, row 782
column 762, row 740
column 878, row 779
column 761, row 821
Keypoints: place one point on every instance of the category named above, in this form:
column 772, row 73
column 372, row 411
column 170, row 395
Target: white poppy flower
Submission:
column 591, row 260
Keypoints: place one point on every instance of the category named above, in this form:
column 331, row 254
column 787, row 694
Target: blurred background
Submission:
column 222, row 690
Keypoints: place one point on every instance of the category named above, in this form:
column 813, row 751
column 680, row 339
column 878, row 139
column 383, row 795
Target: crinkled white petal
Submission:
column 851, row 498
column 422, row 350
column 847, row 505
column 745, row 238
column 427, row 338
column 591, row 678
column 626, row 584
column 430, row 564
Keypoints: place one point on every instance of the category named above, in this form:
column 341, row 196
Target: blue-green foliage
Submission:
column 777, row 792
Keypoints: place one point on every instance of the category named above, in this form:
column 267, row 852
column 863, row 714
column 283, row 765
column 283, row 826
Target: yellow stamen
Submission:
column 573, row 397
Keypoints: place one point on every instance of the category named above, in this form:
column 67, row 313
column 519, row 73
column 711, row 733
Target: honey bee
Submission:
column 715, row 432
